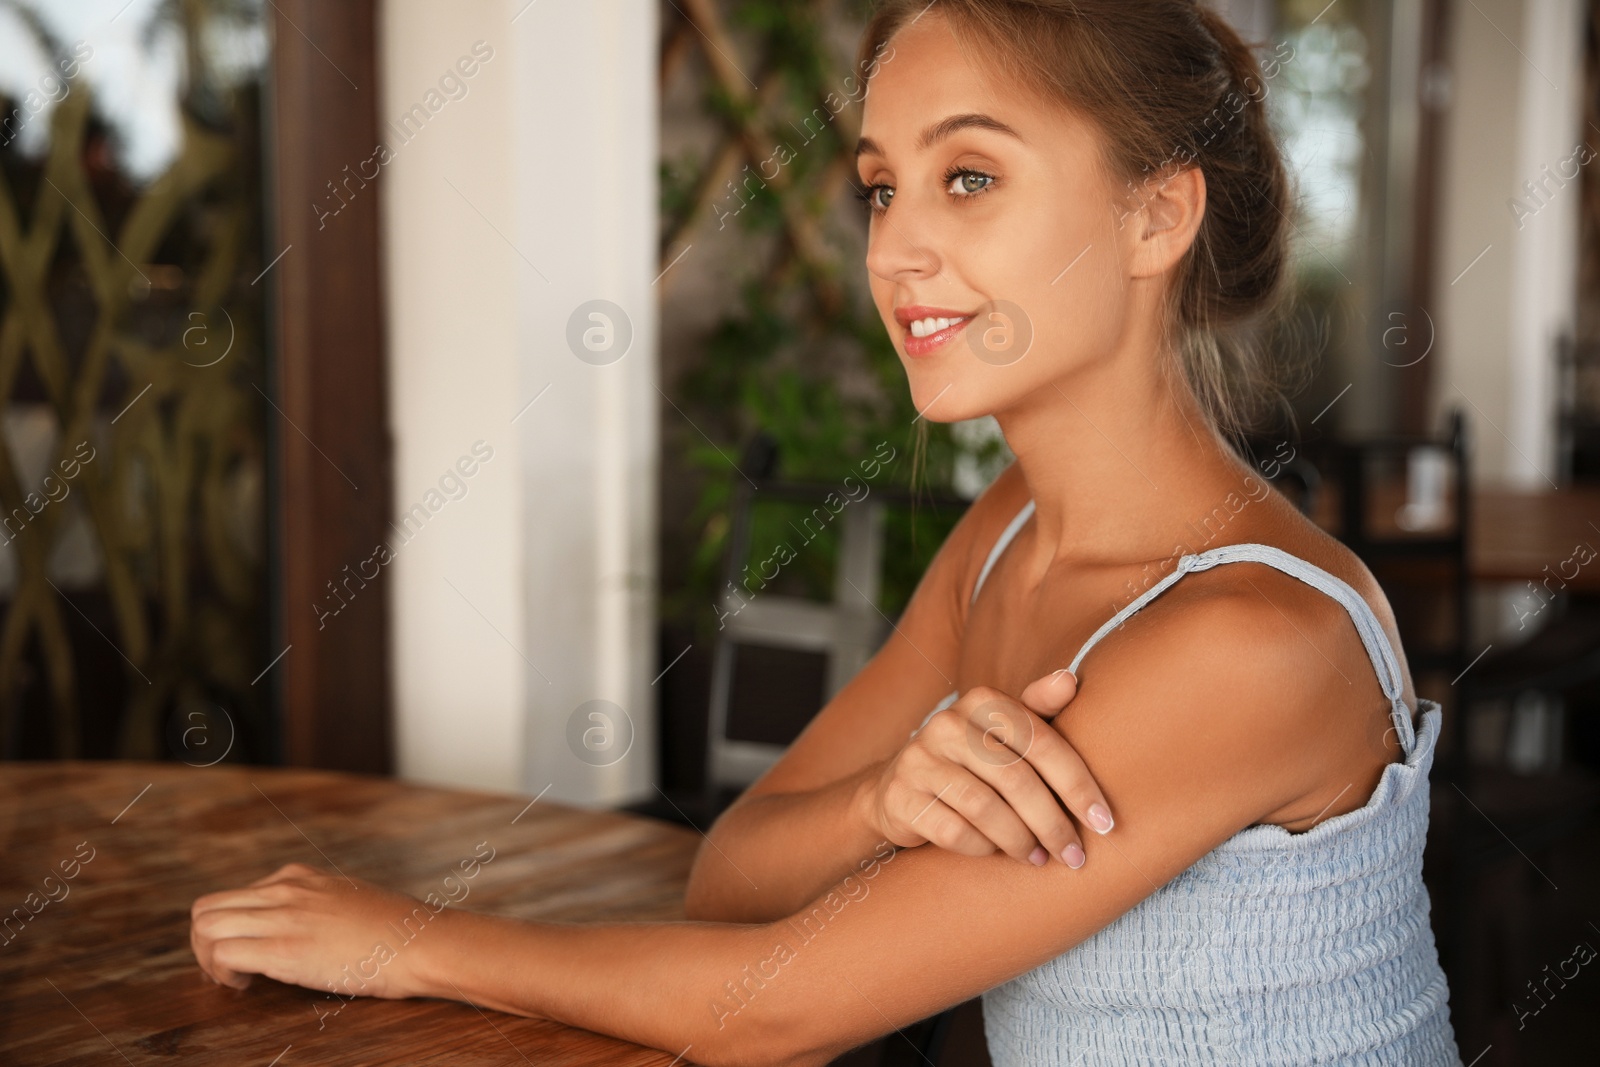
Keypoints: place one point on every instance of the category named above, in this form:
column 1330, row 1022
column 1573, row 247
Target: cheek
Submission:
column 1051, row 255
column 1046, row 232
column 1058, row 264
column 1083, row 311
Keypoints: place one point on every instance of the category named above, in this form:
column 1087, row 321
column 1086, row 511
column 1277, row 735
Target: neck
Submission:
column 1124, row 468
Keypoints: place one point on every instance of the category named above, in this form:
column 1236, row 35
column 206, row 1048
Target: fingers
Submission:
column 999, row 738
column 945, row 827
column 1022, row 789
column 987, row 814
column 1059, row 764
column 276, row 888
column 205, row 948
column 1028, row 765
column 236, row 959
column 287, row 872
column 987, row 773
column 975, row 766
column 255, row 896
column 1050, row 753
column 222, row 925
column 1048, row 695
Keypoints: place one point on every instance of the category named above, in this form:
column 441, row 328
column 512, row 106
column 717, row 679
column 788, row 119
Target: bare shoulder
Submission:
column 1249, row 668
column 1314, row 545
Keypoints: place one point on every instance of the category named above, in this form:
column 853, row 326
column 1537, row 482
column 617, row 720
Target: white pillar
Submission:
column 520, row 199
column 587, row 158
column 1544, row 295
column 1508, row 259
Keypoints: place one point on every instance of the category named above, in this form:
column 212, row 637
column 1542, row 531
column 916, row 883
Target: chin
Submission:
column 948, row 407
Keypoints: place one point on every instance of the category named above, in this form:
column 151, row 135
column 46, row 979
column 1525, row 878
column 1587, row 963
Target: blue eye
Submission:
column 876, row 197
column 967, row 182
column 960, row 183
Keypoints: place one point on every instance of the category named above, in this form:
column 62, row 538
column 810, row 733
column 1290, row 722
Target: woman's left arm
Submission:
column 1190, row 740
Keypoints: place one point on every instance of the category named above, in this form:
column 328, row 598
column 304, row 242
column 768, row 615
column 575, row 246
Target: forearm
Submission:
column 770, row 855
column 673, row 986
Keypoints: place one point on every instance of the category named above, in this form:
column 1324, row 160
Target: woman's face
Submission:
column 990, row 210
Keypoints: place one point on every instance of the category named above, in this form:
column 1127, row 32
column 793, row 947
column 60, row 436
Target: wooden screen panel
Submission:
column 132, row 601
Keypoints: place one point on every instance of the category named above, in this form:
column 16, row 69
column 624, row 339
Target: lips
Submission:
column 930, row 328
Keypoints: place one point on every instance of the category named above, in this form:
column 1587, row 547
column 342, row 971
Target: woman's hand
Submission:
column 305, row 927
column 978, row 777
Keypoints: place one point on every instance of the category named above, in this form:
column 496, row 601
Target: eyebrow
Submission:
column 943, row 129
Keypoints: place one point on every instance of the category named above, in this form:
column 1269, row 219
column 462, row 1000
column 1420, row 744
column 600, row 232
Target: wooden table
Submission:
column 103, row 974
column 1515, row 535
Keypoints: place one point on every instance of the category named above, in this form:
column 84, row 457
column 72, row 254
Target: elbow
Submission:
column 712, row 906
column 702, row 911
column 707, row 908
column 766, row 1057
column 761, row 1046
column 711, row 895
column 702, row 902
column 753, row 1026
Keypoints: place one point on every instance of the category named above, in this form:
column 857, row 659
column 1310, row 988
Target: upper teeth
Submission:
column 924, row 327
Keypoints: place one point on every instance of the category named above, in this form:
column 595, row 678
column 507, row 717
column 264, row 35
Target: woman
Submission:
column 1068, row 199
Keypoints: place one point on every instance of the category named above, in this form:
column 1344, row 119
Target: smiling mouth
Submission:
column 929, row 326
column 925, row 335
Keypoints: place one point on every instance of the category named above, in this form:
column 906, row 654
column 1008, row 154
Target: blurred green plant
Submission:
column 804, row 357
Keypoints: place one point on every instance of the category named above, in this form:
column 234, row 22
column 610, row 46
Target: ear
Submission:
column 1168, row 212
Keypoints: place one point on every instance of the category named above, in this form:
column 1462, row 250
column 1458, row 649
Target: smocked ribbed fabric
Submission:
column 1275, row 948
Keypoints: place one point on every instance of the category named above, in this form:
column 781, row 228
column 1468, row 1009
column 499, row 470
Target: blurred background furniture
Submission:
column 1402, row 505
column 780, row 657
column 1515, row 789
column 1577, row 390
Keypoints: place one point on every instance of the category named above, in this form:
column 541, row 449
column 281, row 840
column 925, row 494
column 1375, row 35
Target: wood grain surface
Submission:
column 1531, row 535
column 1517, row 535
column 96, row 968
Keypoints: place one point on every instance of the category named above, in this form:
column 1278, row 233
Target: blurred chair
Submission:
column 1503, row 819
column 1424, row 570
column 842, row 634
column 1562, row 654
column 817, row 647
column 1577, row 389
column 760, row 630
column 1418, row 554
column 1517, row 809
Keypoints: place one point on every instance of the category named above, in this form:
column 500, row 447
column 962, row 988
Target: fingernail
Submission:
column 1038, row 857
column 1100, row 818
column 1073, row 855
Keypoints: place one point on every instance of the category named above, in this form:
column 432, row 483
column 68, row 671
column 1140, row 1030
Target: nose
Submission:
column 893, row 251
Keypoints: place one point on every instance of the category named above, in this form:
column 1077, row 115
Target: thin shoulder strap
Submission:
column 1000, row 546
column 1372, row 633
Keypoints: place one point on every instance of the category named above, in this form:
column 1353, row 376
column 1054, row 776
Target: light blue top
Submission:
column 1275, row 948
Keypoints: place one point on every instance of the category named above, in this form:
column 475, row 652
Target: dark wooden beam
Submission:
column 1416, row 381
column 331, row 427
